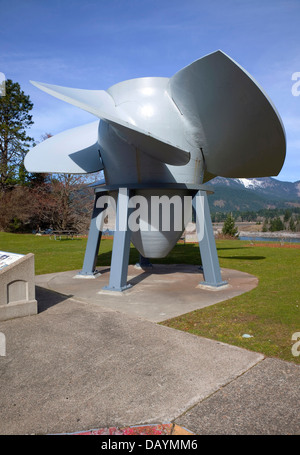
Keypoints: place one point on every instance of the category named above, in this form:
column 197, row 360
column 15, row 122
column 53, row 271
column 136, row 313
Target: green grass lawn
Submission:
column 270, row 312
column 67, row 254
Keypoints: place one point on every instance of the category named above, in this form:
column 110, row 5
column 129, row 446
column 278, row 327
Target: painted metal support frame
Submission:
column 144, row 262
column 122, row 237
column 207, row 244
column 121, row 244
column 93, row 241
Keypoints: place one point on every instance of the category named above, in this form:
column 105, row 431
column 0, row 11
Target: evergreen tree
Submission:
column 292, row 225
column 276, row 224
column 287, row 215
column 265, row 225
column 15, row 119
column 229, row 227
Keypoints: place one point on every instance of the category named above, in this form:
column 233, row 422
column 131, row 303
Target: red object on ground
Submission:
column 159, row 429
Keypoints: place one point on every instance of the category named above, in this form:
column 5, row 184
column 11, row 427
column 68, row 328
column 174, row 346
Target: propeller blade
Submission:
column 74, row 151
column 96, row 102
column 244, row 134
column 101, row 104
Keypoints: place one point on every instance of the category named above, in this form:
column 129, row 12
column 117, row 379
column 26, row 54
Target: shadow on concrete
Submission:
column 137, row 279
column 164, row 269
column 46, row 298
column 105, row 270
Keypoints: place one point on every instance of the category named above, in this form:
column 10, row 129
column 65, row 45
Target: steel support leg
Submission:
column 207, row 244
column 93, row 242
column 121, row 245
column 144, row 262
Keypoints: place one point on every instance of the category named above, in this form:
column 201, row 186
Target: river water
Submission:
column 272, row 239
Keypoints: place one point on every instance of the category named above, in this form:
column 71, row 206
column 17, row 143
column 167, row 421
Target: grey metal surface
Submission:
column 93, row 242
column 160, row 129
column 155, row 240
column 121, row 245
column 230, row 116
column 208, row 251
column 100, row 186
column 73, row 151
column 211, row 118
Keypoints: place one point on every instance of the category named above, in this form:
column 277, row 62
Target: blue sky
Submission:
column 95, row 44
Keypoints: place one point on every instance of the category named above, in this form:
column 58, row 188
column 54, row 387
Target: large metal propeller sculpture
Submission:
column 159, row 136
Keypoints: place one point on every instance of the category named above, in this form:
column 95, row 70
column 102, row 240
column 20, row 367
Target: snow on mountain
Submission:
column 251, row 183
column 254, row 193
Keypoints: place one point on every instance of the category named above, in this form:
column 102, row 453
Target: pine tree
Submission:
column 229, row 227
column 265, row 225
column 292, row 225
column 276, row 224
column 15, row 119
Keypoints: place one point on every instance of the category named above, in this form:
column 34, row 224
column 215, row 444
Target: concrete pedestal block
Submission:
column 17, row 289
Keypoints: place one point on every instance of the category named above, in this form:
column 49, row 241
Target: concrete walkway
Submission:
column 83, row 364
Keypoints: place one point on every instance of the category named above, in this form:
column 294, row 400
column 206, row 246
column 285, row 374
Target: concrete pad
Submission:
column 163, row 292
column 263, row 401
column 77, row 366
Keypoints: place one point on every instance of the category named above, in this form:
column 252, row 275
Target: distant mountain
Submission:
column 252, row 194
